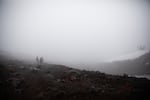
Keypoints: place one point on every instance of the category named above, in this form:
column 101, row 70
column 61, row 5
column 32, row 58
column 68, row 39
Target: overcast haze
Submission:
column 74, row 31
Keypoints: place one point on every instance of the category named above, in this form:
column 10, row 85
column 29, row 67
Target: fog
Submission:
column 74, row 31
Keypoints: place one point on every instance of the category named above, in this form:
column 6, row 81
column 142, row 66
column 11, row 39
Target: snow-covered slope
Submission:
column 129, row 56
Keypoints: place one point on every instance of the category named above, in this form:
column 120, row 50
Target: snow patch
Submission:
column 129, row 56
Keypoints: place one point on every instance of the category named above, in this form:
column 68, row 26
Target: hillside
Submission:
column 24, row 81
column 136, row 66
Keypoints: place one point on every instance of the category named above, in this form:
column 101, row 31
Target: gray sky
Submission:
column 74, row 31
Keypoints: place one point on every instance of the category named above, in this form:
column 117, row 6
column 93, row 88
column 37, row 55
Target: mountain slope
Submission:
column 23, row 81
column 139, row 65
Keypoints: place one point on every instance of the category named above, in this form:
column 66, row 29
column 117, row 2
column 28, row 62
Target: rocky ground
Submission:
column 22, row 81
